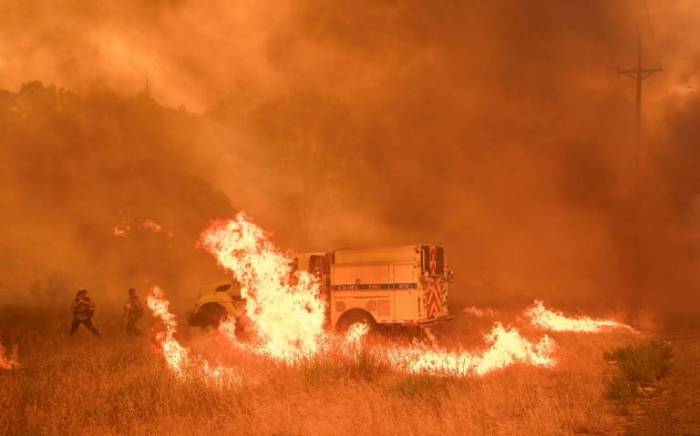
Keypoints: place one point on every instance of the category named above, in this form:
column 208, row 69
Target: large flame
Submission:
column 558, row 322
column 507, row 347
column 9, row 360
column 287, row 317
column 288, row 314
column 285, row 309
column 177, row 356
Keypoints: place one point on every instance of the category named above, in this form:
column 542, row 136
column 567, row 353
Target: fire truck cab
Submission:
column 216, row 301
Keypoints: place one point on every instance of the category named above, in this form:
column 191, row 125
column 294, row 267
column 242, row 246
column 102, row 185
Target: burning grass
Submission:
column 295, row 377
column 556, row 321
column 115, row 385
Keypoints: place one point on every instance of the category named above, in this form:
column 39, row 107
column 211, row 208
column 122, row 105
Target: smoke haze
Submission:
column 499, row 128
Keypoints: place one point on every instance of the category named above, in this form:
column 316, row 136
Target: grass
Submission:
column 115, row 385
column 331, row 368
column 420, row 386
column 641, row 365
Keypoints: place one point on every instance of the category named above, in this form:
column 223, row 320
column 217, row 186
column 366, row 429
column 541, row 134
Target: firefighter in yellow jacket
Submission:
column 83, row 309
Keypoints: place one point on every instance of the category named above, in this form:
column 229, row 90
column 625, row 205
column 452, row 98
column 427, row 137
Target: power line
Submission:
column 651, row 27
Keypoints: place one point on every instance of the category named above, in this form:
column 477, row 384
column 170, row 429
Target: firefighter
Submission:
column 83, row 309
column 133, row 311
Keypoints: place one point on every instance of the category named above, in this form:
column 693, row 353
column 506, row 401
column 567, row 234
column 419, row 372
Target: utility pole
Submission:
column 639, row 74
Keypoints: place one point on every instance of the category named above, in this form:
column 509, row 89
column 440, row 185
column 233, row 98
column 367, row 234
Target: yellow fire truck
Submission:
column 403, row 285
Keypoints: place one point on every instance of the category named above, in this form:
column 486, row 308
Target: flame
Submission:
column 288, row 314
column 177, row 356
column 480, row 313
column 151, row 225
column 558, row 322
column 287, row 317
column 9, row 361
column 356, row 332
column 227, row 327
column 507, row 347
column 354, row 335
column 285, row 310
column 122, row 230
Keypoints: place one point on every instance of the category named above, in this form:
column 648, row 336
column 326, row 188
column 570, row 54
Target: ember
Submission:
column 11, row 360
column 122, row 230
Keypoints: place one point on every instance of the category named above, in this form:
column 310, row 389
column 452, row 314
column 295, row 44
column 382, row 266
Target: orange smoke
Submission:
column 558, row 322
column 285, row 309
column 11, row 360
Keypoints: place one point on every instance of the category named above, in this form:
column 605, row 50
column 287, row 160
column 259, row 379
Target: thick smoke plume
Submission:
column 500, row 128
column 78, row 167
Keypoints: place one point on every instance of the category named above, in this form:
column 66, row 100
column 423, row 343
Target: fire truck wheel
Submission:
column 355, row 316
column 211, row 314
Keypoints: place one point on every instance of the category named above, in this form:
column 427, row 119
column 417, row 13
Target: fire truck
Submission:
column 397, row 286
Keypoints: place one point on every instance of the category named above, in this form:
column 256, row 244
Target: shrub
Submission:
column 620, row 389
column 640, row 366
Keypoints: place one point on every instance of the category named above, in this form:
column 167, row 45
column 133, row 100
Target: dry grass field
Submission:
column 118, row 385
